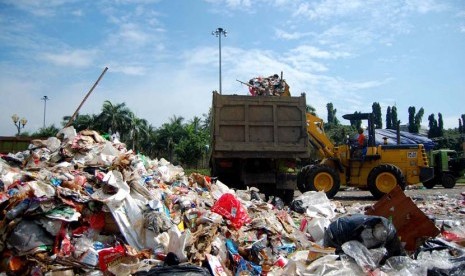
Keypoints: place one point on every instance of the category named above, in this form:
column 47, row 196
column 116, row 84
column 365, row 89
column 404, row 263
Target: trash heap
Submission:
column 268, row 86
column 80, row 204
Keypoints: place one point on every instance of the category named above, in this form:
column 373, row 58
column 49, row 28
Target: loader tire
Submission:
column 448, row 181
column 383, row 179
column 322, row 178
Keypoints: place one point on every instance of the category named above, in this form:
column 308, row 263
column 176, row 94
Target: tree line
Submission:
column 179, row 141
column 187, row 142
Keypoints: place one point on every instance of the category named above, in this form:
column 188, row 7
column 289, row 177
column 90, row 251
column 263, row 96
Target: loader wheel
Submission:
column 430, row 184
column 383, row 179
column 322, row 178
column 448, row 181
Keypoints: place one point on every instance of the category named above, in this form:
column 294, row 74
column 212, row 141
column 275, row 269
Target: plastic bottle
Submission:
column 18, row 209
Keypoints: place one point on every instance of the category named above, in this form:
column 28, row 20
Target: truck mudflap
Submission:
column 426, row 173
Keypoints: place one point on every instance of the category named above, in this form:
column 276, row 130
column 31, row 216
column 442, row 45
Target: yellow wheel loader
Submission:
column 382, row 168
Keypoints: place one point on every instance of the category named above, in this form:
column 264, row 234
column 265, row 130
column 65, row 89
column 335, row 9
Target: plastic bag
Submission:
column 366, row 259
column 441, row 257
column 350, row 228
column 231, row 208
column 317, row 204
column 176, row 270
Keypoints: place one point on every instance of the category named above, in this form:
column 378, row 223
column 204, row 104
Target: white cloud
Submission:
column 74, row 58
column 77, row 13
column 132, row 33
column 290, row 36
column 133, row 70
column 39, row 7
column 425, row 6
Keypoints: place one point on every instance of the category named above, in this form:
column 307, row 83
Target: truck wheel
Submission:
column 301, row 177
column 383, row 179
column 323, row 178
column 448, row 181
column 429, row 184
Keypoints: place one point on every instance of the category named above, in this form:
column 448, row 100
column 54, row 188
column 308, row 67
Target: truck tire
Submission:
column 322, row 178
column 301, row 177
column 448, row 181
column 383, row 179
column 430, row 184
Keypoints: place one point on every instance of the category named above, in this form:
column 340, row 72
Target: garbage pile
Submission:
column 268, row 86
column 80, row 204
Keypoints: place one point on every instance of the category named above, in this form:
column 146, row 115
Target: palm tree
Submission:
column 115, row 118
column 138, row 130
column 169, row 135
column 82, row 122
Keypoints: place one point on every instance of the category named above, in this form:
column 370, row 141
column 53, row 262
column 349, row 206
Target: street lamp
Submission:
column 45, row 99
column 18, row 123
column 218, row 32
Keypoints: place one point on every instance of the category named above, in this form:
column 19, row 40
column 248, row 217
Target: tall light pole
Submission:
column 18, row 123
column 218, row 32
column 45, row 99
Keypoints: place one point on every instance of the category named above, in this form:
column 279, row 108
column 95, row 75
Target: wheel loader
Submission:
column 379, row 171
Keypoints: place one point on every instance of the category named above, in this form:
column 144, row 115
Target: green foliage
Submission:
column 193, row 145
column 414, row 119
column 388, row 118
column 310, row 109
column 394, row 118
column 377, row 117
column 356, row 124
column 463, row 123
column 436, row 128
column 50, row 131
column 332, row 120
column 337, row 133
column 451, row 139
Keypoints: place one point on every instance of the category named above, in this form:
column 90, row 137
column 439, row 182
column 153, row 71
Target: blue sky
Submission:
column 163, row 60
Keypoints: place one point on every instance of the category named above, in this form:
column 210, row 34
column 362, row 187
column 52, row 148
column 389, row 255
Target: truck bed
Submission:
column 259, row 126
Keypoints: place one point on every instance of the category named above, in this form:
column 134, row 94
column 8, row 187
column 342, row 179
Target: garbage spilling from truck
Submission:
column 80, row 204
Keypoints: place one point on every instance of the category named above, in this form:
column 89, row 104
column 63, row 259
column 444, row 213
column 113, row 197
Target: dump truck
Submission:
column 258, row 141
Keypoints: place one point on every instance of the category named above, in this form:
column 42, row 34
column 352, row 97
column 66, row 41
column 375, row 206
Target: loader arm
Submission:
column 317, row 136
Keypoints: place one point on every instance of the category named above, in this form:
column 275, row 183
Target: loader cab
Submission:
column 369, row 133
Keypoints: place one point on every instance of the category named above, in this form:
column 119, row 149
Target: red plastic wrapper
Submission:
column 110, row 256
column 231, row 208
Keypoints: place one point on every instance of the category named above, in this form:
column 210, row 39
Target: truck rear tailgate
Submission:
column 260, row 126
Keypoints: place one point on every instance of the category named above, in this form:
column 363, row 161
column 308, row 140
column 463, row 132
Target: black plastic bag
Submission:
column 356, row 227
column 297, row 206
column 176, row 270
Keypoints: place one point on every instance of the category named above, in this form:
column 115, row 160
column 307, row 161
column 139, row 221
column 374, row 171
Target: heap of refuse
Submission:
column 80, row 204
column 268, row 86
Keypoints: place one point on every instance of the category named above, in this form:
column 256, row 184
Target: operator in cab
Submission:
column 362, row 143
